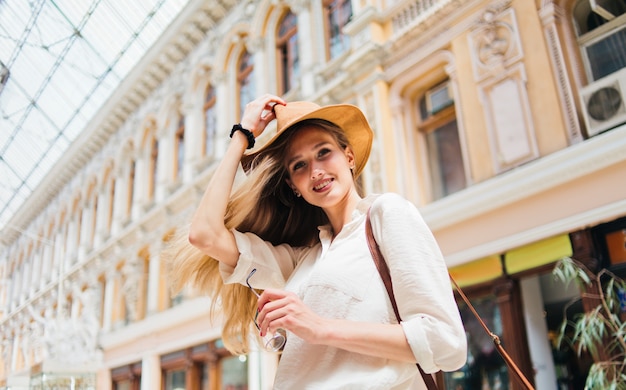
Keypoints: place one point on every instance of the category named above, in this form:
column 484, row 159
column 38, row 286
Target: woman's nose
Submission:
column 316, row 173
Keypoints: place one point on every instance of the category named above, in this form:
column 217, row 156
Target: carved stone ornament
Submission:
column 59, row 337
column 495, row 43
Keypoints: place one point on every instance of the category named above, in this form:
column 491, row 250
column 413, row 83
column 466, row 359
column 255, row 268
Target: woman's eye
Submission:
column 297, row 166
column 323, row 152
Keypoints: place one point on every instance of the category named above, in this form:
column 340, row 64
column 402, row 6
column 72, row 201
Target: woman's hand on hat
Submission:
column 259, row 112
column 283, row 309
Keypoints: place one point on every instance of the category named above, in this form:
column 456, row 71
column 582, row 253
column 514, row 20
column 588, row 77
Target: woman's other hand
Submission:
column 282, row 309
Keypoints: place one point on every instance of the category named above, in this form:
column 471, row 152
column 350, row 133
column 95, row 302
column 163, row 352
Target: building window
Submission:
column 287, row 49
column 234, row 372
column 443, row 146
column 206, row 366
column 127, row 377
column 177, row 299
column 175, row 380
column 74, row 230
column 101, row 290
column 210, row 121
column 130, row 188
column 94, row 220
column 245, row 80
column 485, row 368
column 144, row 281
column 119, row 314
column 180, row 146
column 110, row 205
column 338, row 13
column 154, row 157
column 601, row 27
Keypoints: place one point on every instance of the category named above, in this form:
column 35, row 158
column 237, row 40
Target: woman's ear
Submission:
column 293, row 188
column 350, row 157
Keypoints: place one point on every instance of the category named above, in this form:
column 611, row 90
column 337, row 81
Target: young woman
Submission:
column 295, row 228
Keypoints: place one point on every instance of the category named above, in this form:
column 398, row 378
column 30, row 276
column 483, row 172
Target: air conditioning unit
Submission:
column 604, row 103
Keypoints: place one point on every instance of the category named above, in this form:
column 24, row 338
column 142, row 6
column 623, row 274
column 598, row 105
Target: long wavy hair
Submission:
column 265, row 205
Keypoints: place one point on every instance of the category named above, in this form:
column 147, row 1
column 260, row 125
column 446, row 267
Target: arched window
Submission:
column 131, row 187
column 180, row 146
column 245, row 80
column 338, row 14
column 110, row 205
column 601, row 28
column 154, row 157
column 92, row 212
column 210, row 120
column 74, row 230
column 287, row 51
column 443, row 147
column 94, row 221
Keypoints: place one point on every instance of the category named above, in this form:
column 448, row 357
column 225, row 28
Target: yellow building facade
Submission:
column 503, row 121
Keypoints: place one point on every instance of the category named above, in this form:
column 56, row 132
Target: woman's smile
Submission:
column 323, row 185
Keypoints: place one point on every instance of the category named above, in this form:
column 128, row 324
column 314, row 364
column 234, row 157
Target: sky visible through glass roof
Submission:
column 60, row 60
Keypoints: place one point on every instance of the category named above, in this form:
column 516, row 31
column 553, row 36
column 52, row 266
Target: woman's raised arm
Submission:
column 208, row 232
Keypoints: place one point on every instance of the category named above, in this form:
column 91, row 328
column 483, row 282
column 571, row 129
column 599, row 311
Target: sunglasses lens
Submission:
column 275, row 342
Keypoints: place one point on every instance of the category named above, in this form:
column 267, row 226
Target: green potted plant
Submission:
column 601, row 329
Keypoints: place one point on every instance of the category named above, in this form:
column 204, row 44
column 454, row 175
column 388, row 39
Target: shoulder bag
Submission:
column 383, row 269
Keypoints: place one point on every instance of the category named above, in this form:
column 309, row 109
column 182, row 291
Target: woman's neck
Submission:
column 341, row 213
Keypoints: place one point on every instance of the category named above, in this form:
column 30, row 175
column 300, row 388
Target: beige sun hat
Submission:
column 348, row 117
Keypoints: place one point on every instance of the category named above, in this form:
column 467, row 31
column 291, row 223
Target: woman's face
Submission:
column 318, row 167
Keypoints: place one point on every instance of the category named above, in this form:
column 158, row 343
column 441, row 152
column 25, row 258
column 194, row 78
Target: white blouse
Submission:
column 339, row 280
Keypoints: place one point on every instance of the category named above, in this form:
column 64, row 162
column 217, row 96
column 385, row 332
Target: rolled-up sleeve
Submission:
column 430, row 316
column 274, row 264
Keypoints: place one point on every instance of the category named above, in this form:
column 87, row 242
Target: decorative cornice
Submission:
column 403, row 51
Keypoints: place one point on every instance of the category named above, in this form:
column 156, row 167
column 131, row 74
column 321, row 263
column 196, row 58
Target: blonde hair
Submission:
column 265, row 205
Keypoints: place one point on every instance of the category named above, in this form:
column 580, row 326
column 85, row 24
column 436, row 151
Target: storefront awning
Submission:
column 537, row 254
column 517, row 260
column 478, row 271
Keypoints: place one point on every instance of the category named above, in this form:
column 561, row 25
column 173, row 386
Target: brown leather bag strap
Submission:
column 496, row 340
column 383, row 269
column 381, row 265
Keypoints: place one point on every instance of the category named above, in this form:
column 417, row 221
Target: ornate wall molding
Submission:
column 497, row 61
column 551, row 15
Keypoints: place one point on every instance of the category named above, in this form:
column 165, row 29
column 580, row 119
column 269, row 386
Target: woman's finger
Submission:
column 272, row 294
column 281, row 309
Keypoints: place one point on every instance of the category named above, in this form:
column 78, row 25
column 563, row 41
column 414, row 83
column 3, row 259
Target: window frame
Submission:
column 130, row 195
column 332, row 8
column 153, row 174
column 210, row 105
column 245, row 78
column 179, row 148
column 130, row 372
column 193, row 361
column 586, row 38
column 288, row 58
column 430, row 124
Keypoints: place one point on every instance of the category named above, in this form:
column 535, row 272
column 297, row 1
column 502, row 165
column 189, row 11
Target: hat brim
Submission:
column 348, row 117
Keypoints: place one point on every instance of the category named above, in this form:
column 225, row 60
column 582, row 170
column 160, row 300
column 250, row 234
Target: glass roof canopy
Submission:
column 60, row 60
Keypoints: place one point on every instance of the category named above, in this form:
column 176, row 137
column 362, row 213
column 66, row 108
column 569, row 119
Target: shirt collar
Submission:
column 359, row 211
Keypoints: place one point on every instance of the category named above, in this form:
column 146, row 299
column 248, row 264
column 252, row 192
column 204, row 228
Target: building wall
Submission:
column 92, row 282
